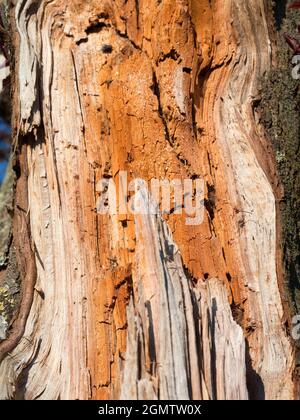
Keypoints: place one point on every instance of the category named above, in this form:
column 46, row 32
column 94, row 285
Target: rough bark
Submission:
column 144, row 306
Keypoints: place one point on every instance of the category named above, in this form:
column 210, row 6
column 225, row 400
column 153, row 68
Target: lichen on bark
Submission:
column 280, row 108
column 9, row 273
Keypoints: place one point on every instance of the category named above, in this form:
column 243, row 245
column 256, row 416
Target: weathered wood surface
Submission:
column 115, row 313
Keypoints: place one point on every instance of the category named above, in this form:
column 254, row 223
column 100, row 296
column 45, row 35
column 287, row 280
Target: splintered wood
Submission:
column 145, row 306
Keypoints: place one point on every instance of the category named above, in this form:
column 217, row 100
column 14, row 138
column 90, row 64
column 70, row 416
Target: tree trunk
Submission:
column 143, row 306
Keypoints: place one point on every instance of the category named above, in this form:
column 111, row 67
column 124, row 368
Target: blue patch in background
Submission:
column 4, row 147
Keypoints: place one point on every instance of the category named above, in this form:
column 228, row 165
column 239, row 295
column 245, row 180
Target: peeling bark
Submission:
column 145, row 306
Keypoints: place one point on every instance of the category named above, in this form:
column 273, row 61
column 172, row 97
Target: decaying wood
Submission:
column 144, row 306
column 182, row 358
